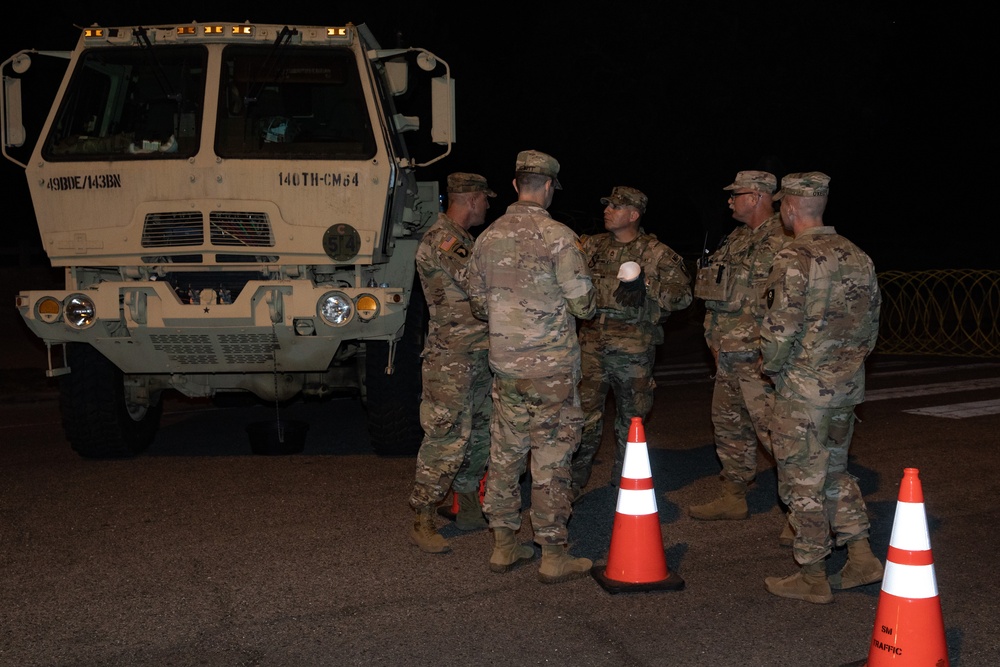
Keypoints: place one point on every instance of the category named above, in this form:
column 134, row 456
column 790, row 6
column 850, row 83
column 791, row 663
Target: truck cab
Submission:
column 236, row 211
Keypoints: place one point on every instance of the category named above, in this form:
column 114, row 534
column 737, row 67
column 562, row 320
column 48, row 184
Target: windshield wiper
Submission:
column 269, row 68
column 142, row 35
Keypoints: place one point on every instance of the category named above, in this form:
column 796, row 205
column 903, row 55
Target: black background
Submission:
column 895, row 102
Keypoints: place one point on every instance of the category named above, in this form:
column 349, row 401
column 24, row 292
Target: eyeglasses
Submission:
column 734, row 195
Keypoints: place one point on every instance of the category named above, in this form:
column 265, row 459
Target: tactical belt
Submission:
column 612, row 317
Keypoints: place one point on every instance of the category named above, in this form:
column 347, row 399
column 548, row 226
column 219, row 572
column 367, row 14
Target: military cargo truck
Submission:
column 236, row 211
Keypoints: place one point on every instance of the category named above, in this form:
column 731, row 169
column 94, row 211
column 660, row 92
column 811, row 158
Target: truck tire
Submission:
column 393, row 401
column 96, row 419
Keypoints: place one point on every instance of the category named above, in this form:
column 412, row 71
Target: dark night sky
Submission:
column 894, row 102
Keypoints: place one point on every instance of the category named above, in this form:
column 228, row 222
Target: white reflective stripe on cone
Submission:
column 909, row 529
column 909, row 581
column 636, row 503
column 635, row 466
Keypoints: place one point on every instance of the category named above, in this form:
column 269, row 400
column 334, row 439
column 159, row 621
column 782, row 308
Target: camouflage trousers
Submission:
column 741, row 411
column 810, row 445
column 536, row 420
column 455, row 412
column 630, row 376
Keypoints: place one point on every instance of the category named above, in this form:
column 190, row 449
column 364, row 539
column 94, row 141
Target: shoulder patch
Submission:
column 447, row 244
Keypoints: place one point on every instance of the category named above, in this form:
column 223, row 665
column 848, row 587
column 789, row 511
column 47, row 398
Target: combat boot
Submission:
column 558, row 566
column 507, row 553
column 732, row 504
column 787, row 536
column 424, row 535
column 809, row 584
column 470, row 513
column 862, row 567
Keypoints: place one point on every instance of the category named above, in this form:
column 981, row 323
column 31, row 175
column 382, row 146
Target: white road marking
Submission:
column 681, row 374
column 931, row 389
column 890, row 368
column 885, row 369
column 960, row 410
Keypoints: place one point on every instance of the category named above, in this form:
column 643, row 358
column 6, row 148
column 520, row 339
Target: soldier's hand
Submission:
column 632, row 293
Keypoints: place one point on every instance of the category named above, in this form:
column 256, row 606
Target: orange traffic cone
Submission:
column 909, row 629
column 636, row 561
column 451, row 511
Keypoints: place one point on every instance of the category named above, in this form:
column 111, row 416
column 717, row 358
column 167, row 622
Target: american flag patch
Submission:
column 448, row 243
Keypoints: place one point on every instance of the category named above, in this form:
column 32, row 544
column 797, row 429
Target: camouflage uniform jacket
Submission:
column 442, row 258
column 821, row 319
column 734, row 325
column 668, row 285
column 528, row 278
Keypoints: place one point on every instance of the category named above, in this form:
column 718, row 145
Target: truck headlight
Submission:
column 79, row 311
column 336, row 308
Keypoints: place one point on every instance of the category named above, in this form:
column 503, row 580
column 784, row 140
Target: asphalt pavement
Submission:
column 199, row 553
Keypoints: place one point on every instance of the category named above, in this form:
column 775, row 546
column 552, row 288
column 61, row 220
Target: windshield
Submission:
column 131, row 103
column 298, row 102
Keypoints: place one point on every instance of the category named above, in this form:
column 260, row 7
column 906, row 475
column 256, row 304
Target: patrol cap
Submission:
column 759, row 181
column 537, row 162
column 463, row 182
column 805, row 184
column 622, row 195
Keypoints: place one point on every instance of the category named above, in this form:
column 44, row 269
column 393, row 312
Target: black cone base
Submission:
column 673, row 582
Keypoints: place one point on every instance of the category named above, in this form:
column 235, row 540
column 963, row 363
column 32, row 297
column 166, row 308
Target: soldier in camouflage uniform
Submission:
column 618, row 345
column 731, row 281
column 820, row 324
column 529, row 278
column 455, row 407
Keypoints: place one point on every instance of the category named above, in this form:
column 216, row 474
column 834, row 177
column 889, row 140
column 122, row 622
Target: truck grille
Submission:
column 187, row 228
column 205, row 350
column 232, row 228
column 163, row 230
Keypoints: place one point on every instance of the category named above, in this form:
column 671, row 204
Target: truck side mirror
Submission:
column 13, row 126
column 443, row 110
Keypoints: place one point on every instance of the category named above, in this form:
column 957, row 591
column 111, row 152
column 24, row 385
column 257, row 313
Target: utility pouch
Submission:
column 711, row 282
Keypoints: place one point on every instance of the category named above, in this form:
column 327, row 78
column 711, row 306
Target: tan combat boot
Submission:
column 787, row 536
column 507, row 553
column 425, row 536
column 558, row 566
column 862, row 567
column 809, row 584
column 732, row 504
column 470, row 513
